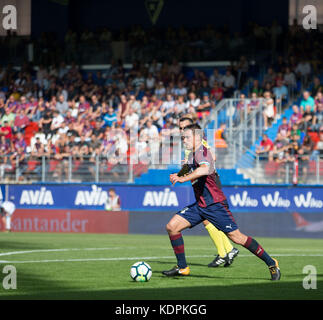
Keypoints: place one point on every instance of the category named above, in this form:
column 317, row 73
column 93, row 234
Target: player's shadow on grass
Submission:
column 172, row 263
column 38, row 287
column 21, row 245
column 280, row 290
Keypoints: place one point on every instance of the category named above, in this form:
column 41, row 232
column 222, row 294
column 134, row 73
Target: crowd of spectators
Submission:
column 64, row 113
column 299, row 139
column 206, row 43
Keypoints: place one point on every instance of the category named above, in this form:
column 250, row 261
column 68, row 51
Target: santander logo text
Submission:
column 243, row 201
column 307, row 201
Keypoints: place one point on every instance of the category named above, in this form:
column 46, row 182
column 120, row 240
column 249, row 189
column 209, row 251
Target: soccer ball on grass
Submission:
column 140, row 271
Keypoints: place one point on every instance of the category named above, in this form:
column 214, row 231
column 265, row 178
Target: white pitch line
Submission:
column 148, row 258
column 55, row 250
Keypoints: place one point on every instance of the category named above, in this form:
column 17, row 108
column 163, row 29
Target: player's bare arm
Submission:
column 201, row 171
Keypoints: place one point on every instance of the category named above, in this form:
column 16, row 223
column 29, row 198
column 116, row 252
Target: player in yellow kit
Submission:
column 226, row 252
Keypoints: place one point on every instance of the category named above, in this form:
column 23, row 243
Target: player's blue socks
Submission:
column 253, row 246
column 178, row 246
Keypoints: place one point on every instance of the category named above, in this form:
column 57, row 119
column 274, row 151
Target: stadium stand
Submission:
column 68, row 123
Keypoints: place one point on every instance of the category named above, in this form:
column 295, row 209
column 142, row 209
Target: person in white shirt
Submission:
column 193, row 103
column 7, row 208
column 113, row 202
column 131, row 120
column 168, row 106
column 269, row 111
column 150, row 81
column 180, row 90
column 152, row 134
column 57, row 121
column 228, row 83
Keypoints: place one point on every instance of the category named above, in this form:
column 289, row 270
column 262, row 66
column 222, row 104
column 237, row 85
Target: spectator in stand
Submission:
column 167, row 107
column 307, row 101
column 150, row 82
column 319, row 145
column 180, row 107
column 280, row 146
column 253, row 103
column 8, row 117
column 193, row 103
column 156, row 116
column 280, row 91
column 256, row 88
column 307, row 120
column 216, row 77
column 131, row 120
column 228, row 84
column 61, row 105
column 204, row 89
column 318, row 99
column 203, row 110
column 123, row 108
column 21, row 121
column 269, row 77
column 152, row 135
column 269, row 111
column 290, row 79
column 303, row 71
column 180, row 90
column 318, row 118
column 266, row 145
column 295, row 132
column 217, row 92
column 6, row 131
column 296, row 116
column 284, row 128
column 317, row 87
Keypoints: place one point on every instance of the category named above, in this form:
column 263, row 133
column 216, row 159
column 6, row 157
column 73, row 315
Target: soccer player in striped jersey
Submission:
column 226, row 252
column 211, row 204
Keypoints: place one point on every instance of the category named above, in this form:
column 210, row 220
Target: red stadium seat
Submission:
column 76, row 165
column 32, row 165
column 52, row 165
column 271, row 168
column 30, row 131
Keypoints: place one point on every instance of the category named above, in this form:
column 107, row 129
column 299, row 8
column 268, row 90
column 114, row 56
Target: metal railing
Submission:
column 100, row 169
column 263, row 171
column 68, row 169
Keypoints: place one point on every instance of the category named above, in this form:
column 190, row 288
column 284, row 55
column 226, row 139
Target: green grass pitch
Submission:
column 97, row 266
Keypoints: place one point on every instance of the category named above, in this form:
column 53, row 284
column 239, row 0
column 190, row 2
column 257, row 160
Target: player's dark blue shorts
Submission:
column 218, row 214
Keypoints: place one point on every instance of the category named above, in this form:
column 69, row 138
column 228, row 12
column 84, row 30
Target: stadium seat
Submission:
column 271, row 168
column 32, row 165
column 30, row 131
column 52, row 165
